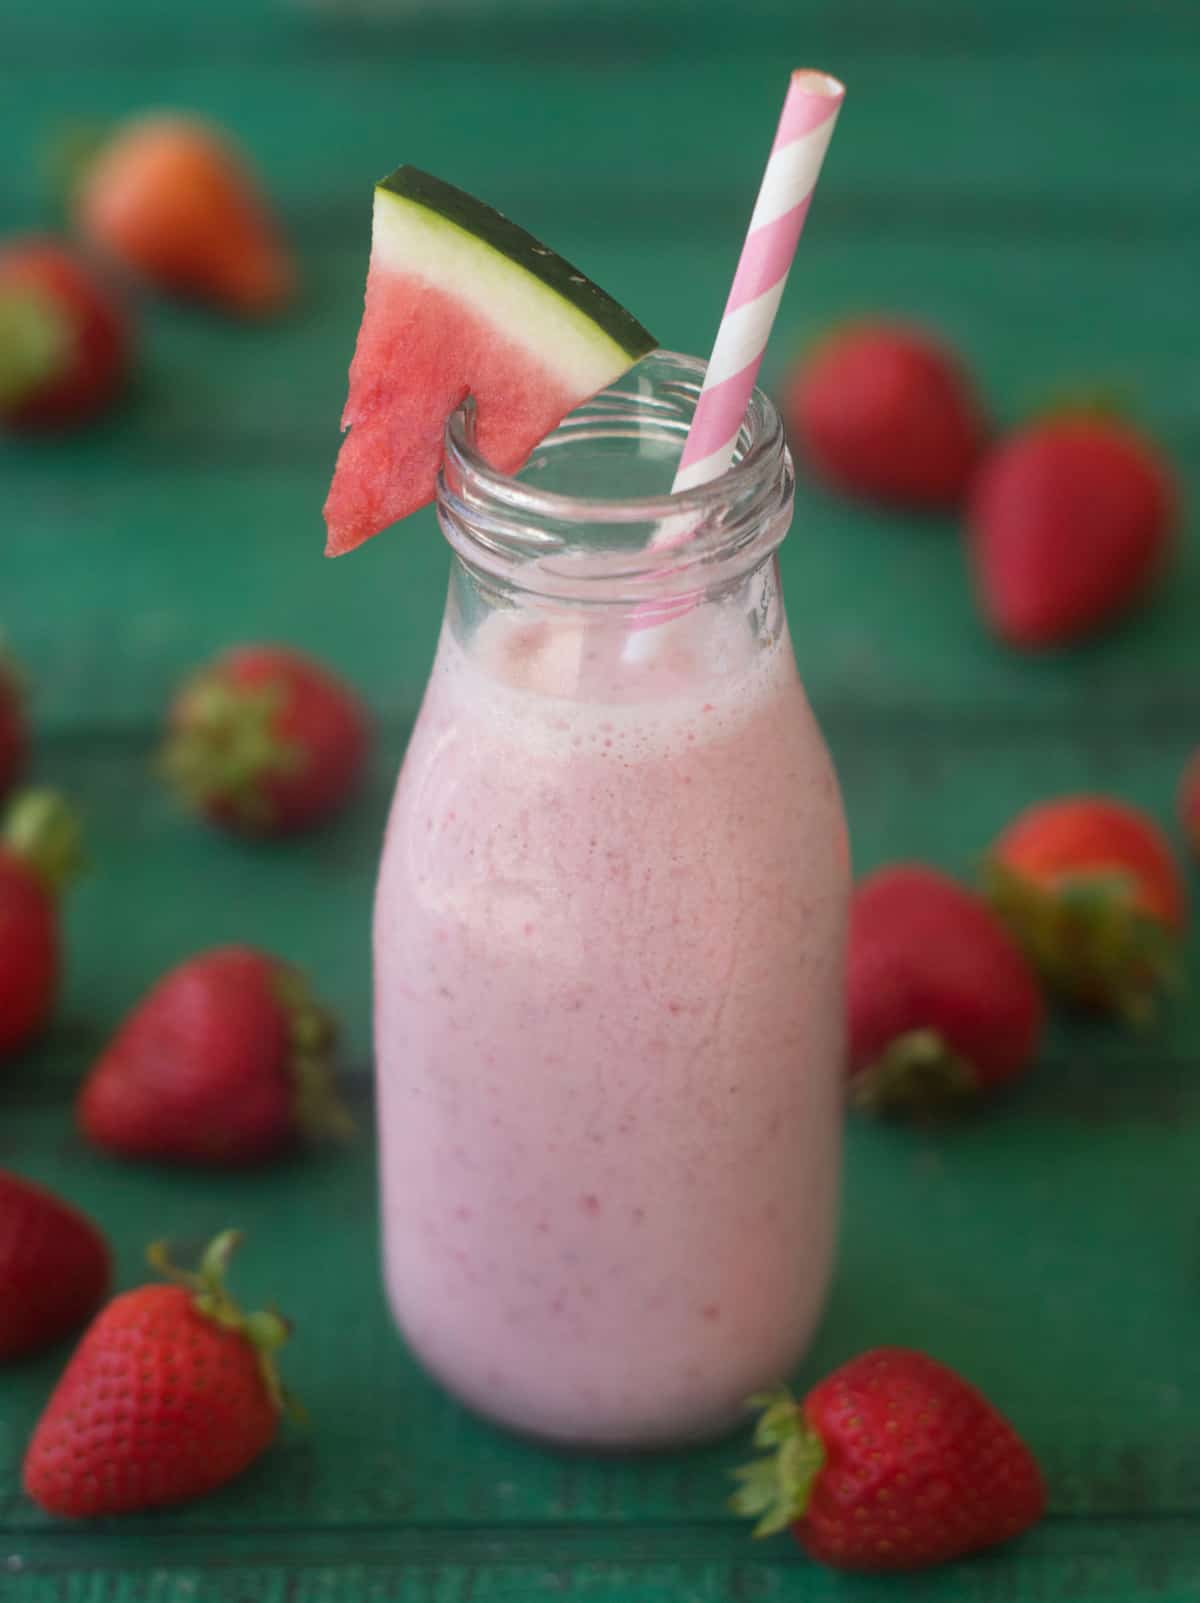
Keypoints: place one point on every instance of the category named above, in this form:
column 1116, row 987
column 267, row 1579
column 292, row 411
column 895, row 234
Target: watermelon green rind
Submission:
column 487, row 228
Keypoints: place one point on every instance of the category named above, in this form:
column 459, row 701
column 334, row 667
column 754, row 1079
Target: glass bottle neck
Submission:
column 590, row 522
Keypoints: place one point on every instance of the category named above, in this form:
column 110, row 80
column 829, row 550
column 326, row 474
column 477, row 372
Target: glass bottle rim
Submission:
column 513, row 529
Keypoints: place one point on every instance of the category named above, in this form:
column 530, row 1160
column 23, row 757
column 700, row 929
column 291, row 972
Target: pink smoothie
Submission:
column 608, row 944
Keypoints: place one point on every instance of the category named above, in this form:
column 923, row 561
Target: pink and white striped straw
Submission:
column 806, row 125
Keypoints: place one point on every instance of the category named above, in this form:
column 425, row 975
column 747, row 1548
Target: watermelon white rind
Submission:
column 461, row 301
column 486, row 228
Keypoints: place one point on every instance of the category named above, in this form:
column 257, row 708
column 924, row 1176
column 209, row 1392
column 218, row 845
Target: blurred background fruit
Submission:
column 55, row 1267
column 64, row 342
column 227, row 1062
column 171, row 199
column 1092, row 889
column 265, row 741
column 885, row 412
column 942, row 1005
column 1070, row 523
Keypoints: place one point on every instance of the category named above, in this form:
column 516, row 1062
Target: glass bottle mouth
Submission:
column 541, row 533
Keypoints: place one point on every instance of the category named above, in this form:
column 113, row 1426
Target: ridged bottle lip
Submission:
column 548, row 543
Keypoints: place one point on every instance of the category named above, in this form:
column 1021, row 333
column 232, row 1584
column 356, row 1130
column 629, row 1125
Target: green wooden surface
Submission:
column 1022, row 172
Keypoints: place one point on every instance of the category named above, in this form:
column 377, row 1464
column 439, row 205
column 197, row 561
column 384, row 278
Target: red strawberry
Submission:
column 64, row 345
column 1070, row 521
column 54, row 1267
column 891, row 1463
column 14, row 729
column 1189, row 802
column 225, row 1062
column 171, row 198
column 885, row 412
column 265, row 741
column 942, row 1003
column 1092, row 891
column 39, row 853
column 171, row 1393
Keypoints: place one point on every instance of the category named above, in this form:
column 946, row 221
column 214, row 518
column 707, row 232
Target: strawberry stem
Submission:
column 224, row 748
column 775, row 1490
column 918, row 1073
column 266, row 1330
column 214, row 1265
column 35, row 343
column 319, row 1111
column 42, row 828
column 1088, row 938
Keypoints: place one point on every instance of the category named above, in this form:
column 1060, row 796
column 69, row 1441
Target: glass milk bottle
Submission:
column 609, row 943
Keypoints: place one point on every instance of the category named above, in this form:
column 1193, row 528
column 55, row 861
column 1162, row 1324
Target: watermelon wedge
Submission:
column 461, row 301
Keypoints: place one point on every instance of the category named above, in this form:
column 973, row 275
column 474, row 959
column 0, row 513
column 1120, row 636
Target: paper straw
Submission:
column 806, row 125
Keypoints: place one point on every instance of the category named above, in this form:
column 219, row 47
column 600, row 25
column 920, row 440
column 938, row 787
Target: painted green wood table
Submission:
column 1021, row 172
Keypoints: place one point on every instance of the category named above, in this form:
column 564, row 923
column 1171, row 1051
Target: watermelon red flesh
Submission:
column 420, row 352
